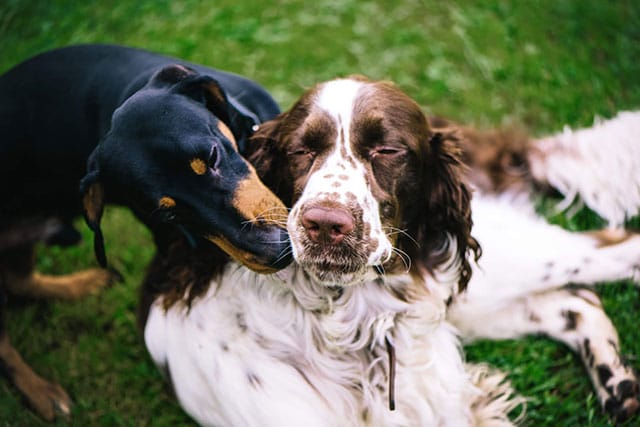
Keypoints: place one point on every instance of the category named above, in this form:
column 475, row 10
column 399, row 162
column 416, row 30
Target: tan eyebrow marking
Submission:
column 198, row 166
column 224, row 129
column 166, row 202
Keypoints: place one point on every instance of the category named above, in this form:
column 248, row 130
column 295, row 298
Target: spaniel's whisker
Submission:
column 406, row 259
column 398, row 231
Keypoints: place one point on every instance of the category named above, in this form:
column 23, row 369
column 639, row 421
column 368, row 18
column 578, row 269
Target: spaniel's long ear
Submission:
column 267, row 154
column 447, row 206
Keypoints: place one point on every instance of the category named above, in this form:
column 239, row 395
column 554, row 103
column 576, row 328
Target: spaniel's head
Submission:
column 372, row 189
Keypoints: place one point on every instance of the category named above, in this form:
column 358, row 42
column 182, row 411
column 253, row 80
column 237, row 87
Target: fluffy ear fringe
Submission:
column 265, row 153
column 448, row 205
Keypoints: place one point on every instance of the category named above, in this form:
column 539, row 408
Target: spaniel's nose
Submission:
column 327, row 225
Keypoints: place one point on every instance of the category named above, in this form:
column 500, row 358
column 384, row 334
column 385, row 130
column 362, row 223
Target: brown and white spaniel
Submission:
column 520, row 286
column 353, row 333
column 361, row 330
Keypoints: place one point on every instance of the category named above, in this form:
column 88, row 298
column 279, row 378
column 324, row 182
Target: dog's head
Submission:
column 171, row 155
column 372, row 188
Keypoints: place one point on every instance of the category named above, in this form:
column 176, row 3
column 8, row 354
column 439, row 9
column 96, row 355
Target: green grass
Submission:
column 538, row 64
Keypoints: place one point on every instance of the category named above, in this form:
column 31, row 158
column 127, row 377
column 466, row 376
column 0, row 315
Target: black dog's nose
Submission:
column 327, row 225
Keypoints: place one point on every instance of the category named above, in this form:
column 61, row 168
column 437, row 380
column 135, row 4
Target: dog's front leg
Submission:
column 572, row 316
column 46, row 398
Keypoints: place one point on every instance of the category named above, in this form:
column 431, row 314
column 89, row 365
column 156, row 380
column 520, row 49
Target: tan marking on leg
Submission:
column 166, row 202
column 68, row 286
column 46, row 398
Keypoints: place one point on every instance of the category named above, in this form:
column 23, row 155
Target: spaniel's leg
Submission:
column 523, row 254
column 21, row 279
column 572, row 316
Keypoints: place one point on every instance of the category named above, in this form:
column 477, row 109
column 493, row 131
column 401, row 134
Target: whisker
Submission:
column 284, row 254
column 394, row 230
column 406, row 259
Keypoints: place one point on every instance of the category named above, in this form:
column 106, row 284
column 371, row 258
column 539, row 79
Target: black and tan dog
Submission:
column 172, row 131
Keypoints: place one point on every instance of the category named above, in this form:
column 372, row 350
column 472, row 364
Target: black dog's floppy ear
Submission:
column 92, row 206
column 170, row 75
column 207, row 90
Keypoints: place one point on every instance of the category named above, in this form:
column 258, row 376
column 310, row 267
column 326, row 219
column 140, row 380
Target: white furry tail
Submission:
column 599, row 164
column 496, row 398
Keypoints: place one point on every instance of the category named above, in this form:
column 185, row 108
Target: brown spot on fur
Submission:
column 198, row 166
column 166, row 202
column 254, row 380
column 609, row 237
column 572, row 319
column 343, row 177
column 533, row 317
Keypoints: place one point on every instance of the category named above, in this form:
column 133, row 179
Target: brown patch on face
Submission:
column 198, row 166
column 166, row 202
column 243, row 257
column 255, row 202
column 224, row 129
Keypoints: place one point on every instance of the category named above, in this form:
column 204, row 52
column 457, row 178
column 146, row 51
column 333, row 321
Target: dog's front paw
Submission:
column 622, row 402
column 49, row 400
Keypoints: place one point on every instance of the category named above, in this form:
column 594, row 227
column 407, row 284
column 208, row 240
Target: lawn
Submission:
column 539, row 65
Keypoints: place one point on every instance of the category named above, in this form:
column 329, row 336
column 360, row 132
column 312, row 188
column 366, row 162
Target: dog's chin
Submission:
column 335, row 275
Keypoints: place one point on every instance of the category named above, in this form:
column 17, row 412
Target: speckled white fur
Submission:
column 282, row 350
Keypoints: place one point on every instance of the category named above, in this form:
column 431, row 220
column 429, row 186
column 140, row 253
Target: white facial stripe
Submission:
column 342, row 177
column 337, row 98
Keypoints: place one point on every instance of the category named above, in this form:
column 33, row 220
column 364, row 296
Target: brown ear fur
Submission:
column 446, row 208
column 265, row 152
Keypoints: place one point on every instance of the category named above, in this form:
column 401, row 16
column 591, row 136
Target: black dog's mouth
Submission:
column 264, row 257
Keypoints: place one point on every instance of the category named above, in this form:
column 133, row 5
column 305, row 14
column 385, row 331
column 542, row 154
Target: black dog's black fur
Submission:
column 165, row 151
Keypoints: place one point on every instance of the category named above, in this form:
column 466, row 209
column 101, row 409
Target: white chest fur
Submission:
column 281, row 351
